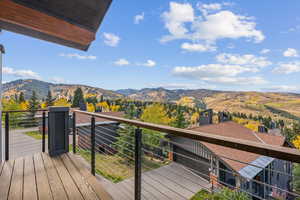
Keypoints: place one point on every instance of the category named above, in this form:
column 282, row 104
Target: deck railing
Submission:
column 149, row 172
column 25, row 132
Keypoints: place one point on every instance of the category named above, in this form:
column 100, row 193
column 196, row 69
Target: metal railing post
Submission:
column 138, row 164
column 93, row 145
column 6, row 136
column 44, row 133
column 74, row 132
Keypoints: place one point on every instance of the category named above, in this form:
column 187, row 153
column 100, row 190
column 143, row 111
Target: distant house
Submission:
column 105, row 132
column 210, row 161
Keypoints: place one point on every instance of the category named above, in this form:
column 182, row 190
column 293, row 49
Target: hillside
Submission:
column 165, row 95
column 58, row 90
column 276, row 105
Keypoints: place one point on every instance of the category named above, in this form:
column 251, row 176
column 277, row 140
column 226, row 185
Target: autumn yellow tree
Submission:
column 90, row 107
column 62, row 102
column 104, row 106
column 114, row 108
column 296, row 142
column 156, row 114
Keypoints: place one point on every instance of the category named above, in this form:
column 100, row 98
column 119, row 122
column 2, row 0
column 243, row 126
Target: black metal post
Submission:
column 138, row 164
column 7, row 136
column 44, row 133
column 93, row 145
column 74, row 132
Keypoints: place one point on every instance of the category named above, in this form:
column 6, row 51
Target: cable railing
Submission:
column 141, row 160
column 25, row 132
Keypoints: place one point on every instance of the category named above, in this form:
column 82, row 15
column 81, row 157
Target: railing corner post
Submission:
column 138, row 164
column 44, row 132
column 93, row 145
column 6, row 136
column 74, row 132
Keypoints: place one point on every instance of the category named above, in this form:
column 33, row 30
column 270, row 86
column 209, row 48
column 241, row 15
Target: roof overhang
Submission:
column 2, row 50
column 72, row 23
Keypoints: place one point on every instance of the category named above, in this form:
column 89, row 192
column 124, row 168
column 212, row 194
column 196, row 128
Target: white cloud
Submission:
column 122, row 62
column 176, row 85
column 58, row 80
column 290, row 52
column 206, row 8
column 182, row 23
column 197, row 47
column 139, row 18
column 283, row 88
column 210, row 70
column 20, row 73
column 177, row 16
column 111, row 39
column 218, row 73
column 287, row 68
column 265, row 51
column 80, row 57
column 254, row 80
column 248, row 60
column 149, row 63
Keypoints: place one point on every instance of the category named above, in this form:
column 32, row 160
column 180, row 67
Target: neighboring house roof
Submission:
column 235, row 130
column 83, row 118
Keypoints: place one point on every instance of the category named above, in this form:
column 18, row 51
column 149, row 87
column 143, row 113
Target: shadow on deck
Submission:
column 43, row 177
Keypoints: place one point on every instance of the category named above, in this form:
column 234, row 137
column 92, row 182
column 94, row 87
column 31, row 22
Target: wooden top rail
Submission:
column 14, row 111
column 282, row 153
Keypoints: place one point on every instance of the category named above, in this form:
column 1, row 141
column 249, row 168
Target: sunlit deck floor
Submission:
column 43, row 177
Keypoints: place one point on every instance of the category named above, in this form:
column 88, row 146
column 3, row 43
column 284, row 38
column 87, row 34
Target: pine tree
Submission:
column 49, row 100
column 78, row 98
column 33, row 106
column 180, row 121
column 125, row 142
column 21, row 98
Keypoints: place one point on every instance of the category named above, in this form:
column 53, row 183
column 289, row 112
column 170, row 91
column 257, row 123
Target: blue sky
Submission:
column 225, row 45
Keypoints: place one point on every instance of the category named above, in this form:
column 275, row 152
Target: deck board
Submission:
column 43, row 187
column 67, row 181
column 5, row 179
column 97, row 187
column 16, row 186
column 57, row 188
column 39, row 177
column 83, row 186
column 29, row 189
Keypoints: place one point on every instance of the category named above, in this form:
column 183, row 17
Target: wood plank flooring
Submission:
column 40, row 177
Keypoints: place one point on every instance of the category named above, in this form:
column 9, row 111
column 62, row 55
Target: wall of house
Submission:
column 281, row 180
column 195, row 156
column 105, row 136
column 273, row 178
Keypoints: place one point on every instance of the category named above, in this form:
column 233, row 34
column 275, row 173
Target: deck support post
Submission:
column 58, row 130
column 44, row 133
column 2, row 139
column 6, row 136
column 93, row 145
column 138, row 164
column 74, row 132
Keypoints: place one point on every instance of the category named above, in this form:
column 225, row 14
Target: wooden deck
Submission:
column 41, row 177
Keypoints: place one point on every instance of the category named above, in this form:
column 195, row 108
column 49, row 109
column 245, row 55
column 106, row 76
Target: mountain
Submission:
column 276, row 105
column 58, row 90
column 165, row 95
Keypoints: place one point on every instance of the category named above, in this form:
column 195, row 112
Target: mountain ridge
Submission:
column 255, row 103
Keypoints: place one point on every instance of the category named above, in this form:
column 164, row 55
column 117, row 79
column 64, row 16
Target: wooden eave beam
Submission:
column 30, row 19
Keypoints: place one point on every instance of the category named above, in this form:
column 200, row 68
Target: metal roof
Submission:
column 250, row 171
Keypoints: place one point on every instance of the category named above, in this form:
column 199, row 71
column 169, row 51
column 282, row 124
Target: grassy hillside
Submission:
column 276, row 105
column 58, row 90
